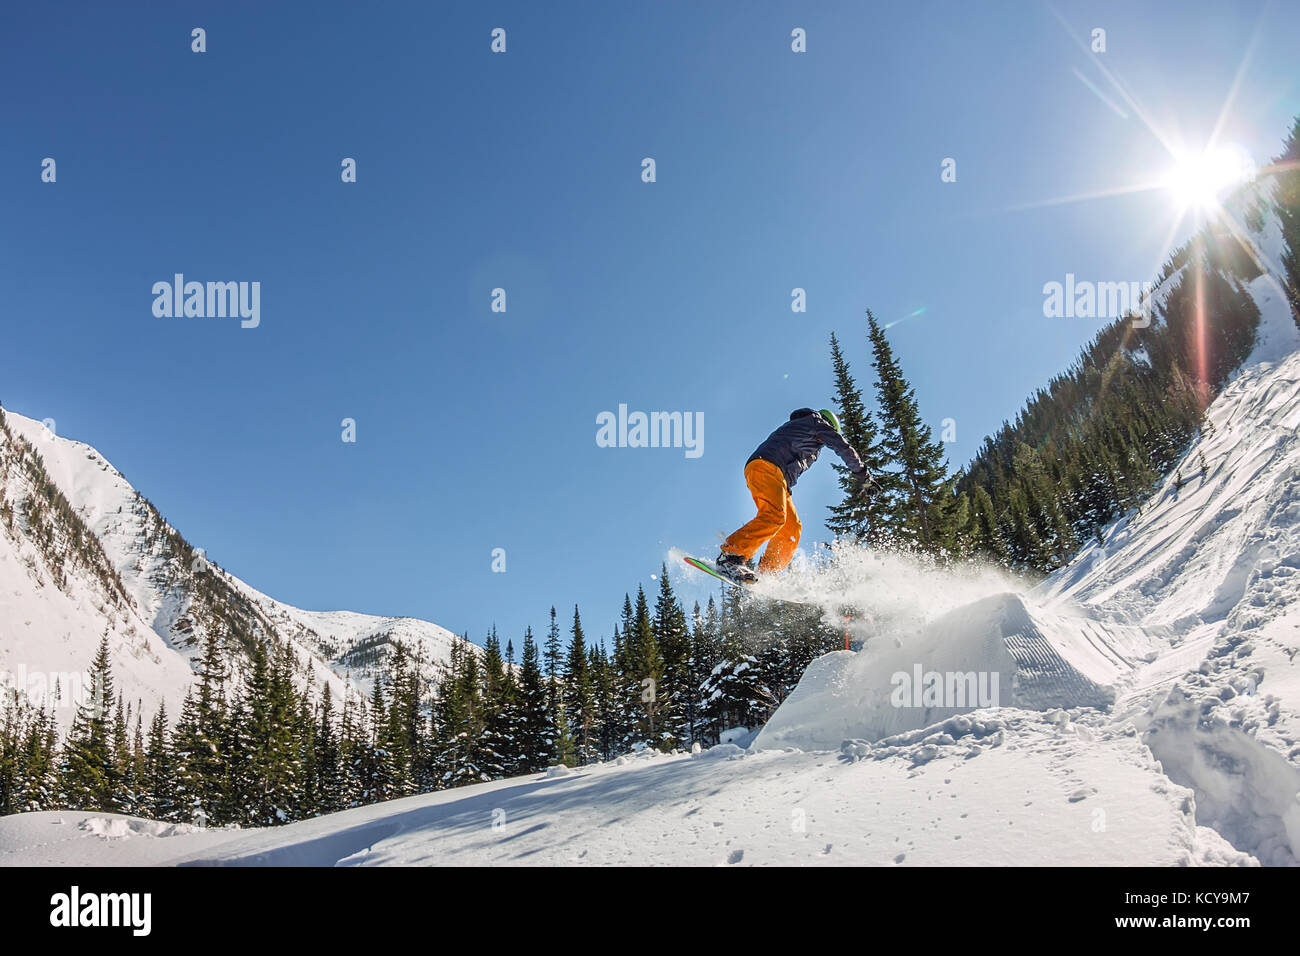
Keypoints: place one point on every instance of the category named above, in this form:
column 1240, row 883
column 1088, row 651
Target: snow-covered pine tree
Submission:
column 352, row 746
column 644, row 675
column 464, row 753
column 403, row 725
column 204, row 744
column 89, row 777
column 552, row 658
column 160, row 771
column 676, row 705
column 512, row 716
column 495, row 749
column 125, row 796
column 38, row 762
column 579, row 694
column 706, row 641
column 536, row 737
column 627, row 689
column 605, row 684
column 28, row 756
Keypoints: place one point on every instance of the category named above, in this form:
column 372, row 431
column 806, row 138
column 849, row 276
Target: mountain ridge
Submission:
column 84, row 555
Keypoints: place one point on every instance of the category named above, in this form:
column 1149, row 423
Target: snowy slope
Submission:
column 1215, row 565
column 156, row 635
column 1184, row 626
column 1024, row 657
column 49, row 634
column 1035, row 789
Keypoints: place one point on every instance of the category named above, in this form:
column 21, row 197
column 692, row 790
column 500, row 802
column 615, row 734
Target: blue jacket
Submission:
column 795, row 445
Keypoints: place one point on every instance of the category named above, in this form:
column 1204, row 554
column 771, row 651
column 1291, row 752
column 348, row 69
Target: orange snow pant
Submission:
column 776, row 522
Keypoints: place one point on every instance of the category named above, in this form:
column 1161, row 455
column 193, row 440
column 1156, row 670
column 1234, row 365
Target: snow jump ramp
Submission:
column 996, row 652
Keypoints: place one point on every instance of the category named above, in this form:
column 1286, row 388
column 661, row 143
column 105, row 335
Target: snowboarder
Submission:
column 771, row 473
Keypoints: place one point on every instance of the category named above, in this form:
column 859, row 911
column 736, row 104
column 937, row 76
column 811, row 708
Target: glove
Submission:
column 864, row 487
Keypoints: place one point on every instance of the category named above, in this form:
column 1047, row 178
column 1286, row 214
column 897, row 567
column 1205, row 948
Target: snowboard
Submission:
column 708, row 567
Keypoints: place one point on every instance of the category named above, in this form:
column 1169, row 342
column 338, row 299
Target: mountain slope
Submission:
column 1213, row 563
column 106, row 562
column 60, row 594
column 1182, row 625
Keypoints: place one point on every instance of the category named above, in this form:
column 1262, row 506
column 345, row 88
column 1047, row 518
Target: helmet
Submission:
column 829, row 415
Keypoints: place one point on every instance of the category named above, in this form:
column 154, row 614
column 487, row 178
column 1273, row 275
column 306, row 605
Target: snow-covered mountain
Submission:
column 84, row 555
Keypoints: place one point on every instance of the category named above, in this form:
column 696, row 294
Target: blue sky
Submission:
column 476, row 430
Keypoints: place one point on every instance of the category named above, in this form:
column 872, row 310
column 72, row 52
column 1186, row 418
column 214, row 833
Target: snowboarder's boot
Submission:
column 735, row 567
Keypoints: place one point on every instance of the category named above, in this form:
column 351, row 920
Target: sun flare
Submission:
column 1198, row 180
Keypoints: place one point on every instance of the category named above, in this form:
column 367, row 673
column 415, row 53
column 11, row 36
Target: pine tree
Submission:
column 552, row 657
column 325, row 788
column 402, row 724
column 494, row 751
column 579, row 698
column 38, row 763
column 512, row 718
column 29, row 768
column 12, row 729
column 137, row 756
column 125, row 795
column 861, row 508
column 605, row 684
column 376, row 770
column 676, row 698
column 90, row 775
column 352, row 754
column 918, row 505
column 203, row 744
column 460, row 723
column 160, row 771
column 627, row 707
column 265, row 760
column 537, row 733
column 644, row 675
column 983, row 536
column 707, row 641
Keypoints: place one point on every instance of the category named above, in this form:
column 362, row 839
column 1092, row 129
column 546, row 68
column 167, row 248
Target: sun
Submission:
column 1198, row 180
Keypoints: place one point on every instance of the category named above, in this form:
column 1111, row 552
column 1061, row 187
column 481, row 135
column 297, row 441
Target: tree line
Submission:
column 1084, row 450
column 254, row 746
